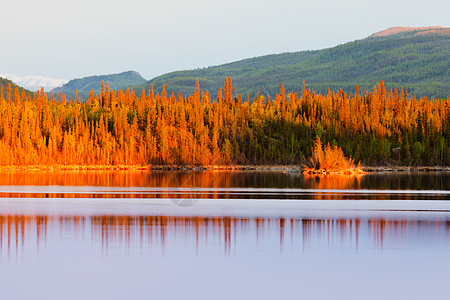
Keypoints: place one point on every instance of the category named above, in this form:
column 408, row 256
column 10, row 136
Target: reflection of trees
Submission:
column 225, row 232
column 148, row 179
column 331, row 182
column 227, row 179
column 178, row 186
column 344, row 187
column 15, row 229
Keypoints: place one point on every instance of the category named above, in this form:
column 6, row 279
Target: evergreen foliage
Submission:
column 120, row 127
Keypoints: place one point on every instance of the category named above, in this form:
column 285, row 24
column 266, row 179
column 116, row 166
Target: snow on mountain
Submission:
column 35, row 82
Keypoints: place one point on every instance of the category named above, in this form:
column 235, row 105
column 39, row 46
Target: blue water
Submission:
column 223, row 236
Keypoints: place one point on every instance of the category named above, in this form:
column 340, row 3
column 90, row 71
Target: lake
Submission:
column 223, row 235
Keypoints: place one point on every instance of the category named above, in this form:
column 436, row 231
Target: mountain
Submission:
column 86, row 84
column 34, row 82
column 411, row 31
column 4, row 83
column 416, row 58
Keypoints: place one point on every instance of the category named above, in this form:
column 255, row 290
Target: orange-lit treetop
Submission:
column 121, row 127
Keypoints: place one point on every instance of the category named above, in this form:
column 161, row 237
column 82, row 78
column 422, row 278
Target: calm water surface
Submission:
column 223, row 235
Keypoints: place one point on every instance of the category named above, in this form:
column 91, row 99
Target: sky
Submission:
column 76, row 38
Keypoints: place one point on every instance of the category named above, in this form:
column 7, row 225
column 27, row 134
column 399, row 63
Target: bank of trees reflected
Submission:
column 226, row 234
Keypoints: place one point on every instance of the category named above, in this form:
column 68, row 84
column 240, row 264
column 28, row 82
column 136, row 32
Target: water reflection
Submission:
column 188, row 186
column 226, row 179
column 186, row 197
column 177, row 234
column 224, row 234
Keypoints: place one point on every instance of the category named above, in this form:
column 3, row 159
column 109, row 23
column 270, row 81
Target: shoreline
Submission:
column 232, row 168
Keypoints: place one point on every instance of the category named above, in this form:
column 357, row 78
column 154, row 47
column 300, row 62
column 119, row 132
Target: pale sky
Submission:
column 77, row 38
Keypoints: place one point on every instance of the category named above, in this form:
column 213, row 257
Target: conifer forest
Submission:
column 126, row 127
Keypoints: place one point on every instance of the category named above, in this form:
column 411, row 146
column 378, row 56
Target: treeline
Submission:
column 121, row 127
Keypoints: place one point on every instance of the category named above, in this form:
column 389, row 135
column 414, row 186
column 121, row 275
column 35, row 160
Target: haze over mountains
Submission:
column 415, row 58
column 35, row 82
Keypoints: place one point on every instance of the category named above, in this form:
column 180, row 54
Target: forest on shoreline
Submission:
column 120, row 127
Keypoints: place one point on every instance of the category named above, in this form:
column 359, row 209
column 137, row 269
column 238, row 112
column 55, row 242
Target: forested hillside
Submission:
column 418, row 61
column 93, row 83
column 378, row 126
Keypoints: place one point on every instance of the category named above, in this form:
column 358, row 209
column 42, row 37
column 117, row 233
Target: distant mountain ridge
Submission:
column 417, row 59
column 398, row 30
column 86, row 84
column 35, row 82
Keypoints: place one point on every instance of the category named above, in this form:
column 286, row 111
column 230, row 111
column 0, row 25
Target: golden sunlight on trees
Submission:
column 330, row 160
column 119, row 127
